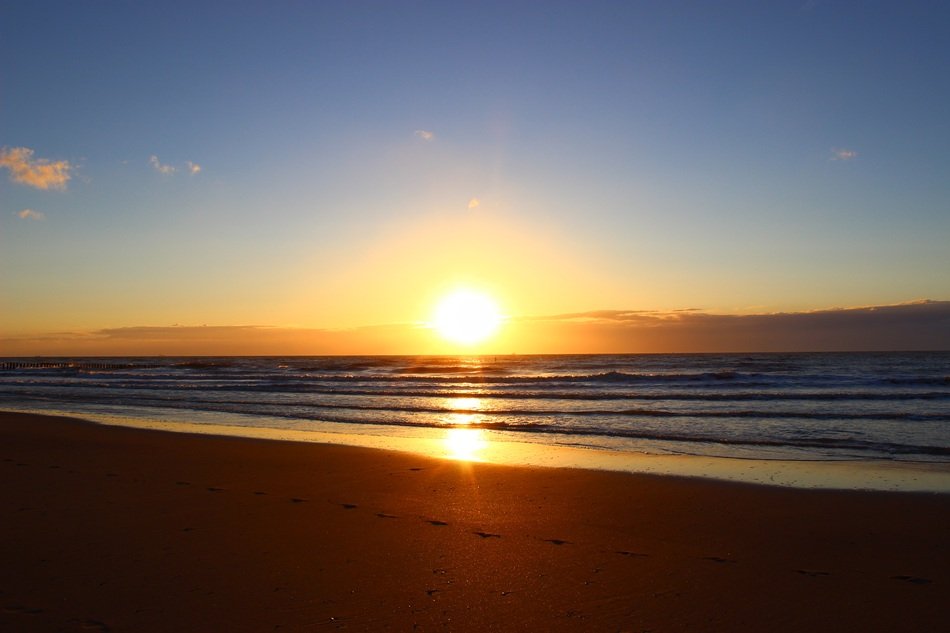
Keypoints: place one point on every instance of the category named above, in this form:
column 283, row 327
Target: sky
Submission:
column 310, row 177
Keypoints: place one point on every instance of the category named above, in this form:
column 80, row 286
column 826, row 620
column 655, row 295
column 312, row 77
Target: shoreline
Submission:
column 119, row 529
column 481, row 445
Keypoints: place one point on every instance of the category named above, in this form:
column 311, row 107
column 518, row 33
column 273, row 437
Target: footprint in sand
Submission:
column 436, row 522
column 259, row 492
column 917, row 580
column 16, row 608
column 383, row 515
column 632, row 554
column 213, row 489
column 557, row 541
column 182, row 483
column 718, row 559
column 487, row 534
column 416, row 469
column 299, row 500
column 813, row 573
column 92, row 625
column 349, row 506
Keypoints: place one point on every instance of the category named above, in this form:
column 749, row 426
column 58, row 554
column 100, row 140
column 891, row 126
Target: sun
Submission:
column 466, row 317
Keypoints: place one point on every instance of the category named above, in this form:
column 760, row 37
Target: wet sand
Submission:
column 114, row 529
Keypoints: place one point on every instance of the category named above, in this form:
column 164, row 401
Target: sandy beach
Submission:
column 114, row 529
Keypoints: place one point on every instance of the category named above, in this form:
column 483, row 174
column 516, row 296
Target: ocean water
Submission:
column 874, row 406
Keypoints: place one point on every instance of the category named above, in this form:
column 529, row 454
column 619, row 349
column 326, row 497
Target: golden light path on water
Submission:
column 464, row 444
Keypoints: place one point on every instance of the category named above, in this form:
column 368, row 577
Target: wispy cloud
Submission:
column 30, row 214
column 216, row 341
column 159, row 167
column 474, row 203
column 840, row 153
column 425, row 135
column 162, row 168
column 34, row 172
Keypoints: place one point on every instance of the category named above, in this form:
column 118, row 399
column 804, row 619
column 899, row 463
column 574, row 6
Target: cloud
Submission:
column 30, row 214
column 39, row 172
column 159, row 167
column 190, row 167
column 840, row 153
column 167, row 170
column 474, row 203
column 218, row 341
column 919, row 325
column 425, row 135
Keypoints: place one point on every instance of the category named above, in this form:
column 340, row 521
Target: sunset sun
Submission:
column 466, row 317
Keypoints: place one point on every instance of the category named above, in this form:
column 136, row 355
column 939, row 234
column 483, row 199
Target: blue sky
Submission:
column 735, row 157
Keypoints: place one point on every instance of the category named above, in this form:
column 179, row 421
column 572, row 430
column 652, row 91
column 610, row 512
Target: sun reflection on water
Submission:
column 463, row 411
column 464, row 404
column 463, row 443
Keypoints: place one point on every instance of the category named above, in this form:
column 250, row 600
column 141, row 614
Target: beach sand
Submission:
column 114, row 529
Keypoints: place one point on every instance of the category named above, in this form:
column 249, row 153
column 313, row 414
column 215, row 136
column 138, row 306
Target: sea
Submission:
column 891, row 407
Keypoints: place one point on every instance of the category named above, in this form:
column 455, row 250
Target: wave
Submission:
column 455, row 390
column 344, row 371
column 205, row 364
column 765, row 400
column 939, row 381
column 770, row 414
column 479, row 377
column 879, row 449
column 450, row 373
column 614, row 396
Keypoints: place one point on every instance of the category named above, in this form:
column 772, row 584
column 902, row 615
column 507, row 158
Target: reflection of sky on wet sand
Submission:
column 465, row 444
column 481, row 445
